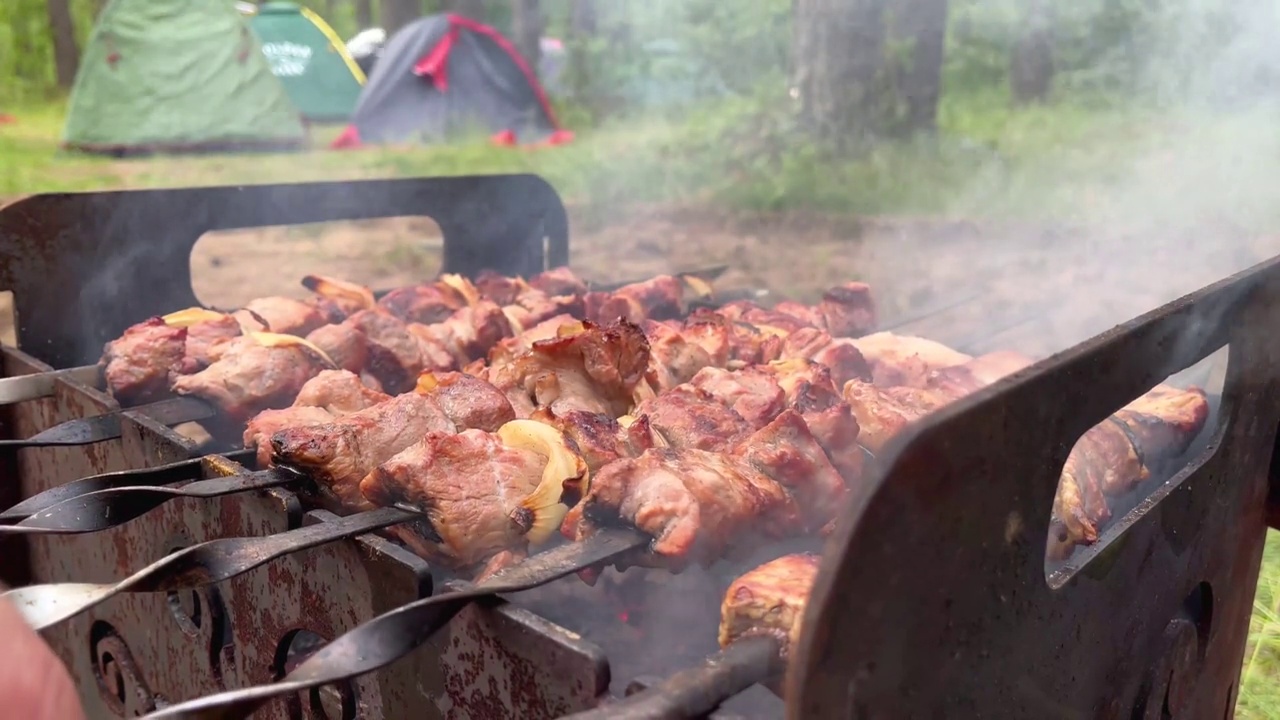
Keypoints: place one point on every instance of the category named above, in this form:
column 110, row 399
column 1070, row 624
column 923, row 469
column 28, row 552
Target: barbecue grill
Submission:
column 932, row 599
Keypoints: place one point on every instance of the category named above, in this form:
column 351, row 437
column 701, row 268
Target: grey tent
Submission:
column 446, row 75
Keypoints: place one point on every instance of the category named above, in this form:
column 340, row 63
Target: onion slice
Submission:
column 565, row 473
column 191, row 316
column 701, row 288
column 462, row 286
column 334, row 289
column 273, row 340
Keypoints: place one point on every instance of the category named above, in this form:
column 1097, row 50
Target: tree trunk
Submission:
column 473, row 9
column 395, row 14
column 526, row 30
column 1031, row 62
column 66, row 55
column 923, row 27
column 364, row 14
column 838, row 49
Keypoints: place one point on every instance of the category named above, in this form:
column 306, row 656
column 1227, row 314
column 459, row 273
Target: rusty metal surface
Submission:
column 104, row 246
column 951, row 615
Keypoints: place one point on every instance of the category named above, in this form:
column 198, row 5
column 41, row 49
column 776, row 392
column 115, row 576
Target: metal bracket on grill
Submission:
column 933, row 600
column 84, row 266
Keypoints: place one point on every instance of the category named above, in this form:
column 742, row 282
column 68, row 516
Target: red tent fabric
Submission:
column 446, row 73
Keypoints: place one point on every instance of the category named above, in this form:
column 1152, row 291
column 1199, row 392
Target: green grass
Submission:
column 1072, row 163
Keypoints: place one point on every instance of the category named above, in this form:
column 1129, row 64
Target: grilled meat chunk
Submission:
column 559, row 281
column 696, row 504
column 688, row 417
column 469, row 332
column 330, row 394
column 468, row 401
column 769, row 600
column 344, row 343
column 673, row 359
column 755, row 396
column 1117, row 455
column 732, row 343
column 469, row 485
column 338, row 454
column 905, row 359
column 507, row 349
column 203, row 340
column 138, row 365
column 288, row 316
column 841, row 356
column 423, row 303
column 249, row 376
column 396, row 356
column 658, row 298
column 775, row 483
column 601, row 439
column 597, row 369
column 339, row 392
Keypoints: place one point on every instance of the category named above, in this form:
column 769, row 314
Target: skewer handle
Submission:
column 194, row 567
column 105, row 509
column 396, row 633
column 697, row 691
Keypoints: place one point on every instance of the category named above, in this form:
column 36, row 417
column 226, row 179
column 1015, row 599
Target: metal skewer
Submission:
column 107, row 426
column 394, row 634
column 197, row 566
column 116, row 506
column 38, row 385
column 180, row 471
column 696, row 691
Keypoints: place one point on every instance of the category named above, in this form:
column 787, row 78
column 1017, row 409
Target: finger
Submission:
column 33, row 682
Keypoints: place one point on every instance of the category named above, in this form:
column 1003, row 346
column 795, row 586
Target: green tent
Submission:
column 174, row 76
column 322, row 79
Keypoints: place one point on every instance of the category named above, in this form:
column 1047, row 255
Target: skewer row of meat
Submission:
column 227, row 359
column 577, row 383
column 767, row 449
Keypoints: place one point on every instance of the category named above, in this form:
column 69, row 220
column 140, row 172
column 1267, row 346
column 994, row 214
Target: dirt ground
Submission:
column 974, row 285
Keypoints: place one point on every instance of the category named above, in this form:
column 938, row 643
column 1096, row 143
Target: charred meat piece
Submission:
column 810, row 391
column 338, row 454
column 349, row 298
column 905, row 359
column 880, row 417
column 769, row 600
column 691, row 418
column 601, row 439
column 480, row 491
column 787, row 452
column 424, row 304
column 330, row 394
column 468, row 401
column 658, row 298
column 847, row 311
column 137, row 365
column 255, row 373
column 595, row 369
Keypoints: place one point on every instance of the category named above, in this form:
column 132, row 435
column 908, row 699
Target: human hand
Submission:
column 34, row 685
